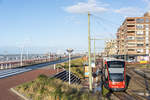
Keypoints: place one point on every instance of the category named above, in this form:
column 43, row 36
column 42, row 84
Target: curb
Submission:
column 20, row 95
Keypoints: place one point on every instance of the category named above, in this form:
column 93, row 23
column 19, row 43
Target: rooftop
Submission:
column 147, row 14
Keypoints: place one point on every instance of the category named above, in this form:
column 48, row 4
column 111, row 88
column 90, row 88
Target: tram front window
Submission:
column 117, row 77
column 116, row 64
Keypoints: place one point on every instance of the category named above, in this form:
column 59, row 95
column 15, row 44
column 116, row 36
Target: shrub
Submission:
column 44, row 88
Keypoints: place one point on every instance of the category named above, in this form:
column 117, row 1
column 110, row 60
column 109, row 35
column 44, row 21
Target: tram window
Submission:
column 116, row 64
column 116, row 77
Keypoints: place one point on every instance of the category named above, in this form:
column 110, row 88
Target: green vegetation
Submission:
column 144, row 66
column 105, row 91
column 44, row 88
column 76, row 67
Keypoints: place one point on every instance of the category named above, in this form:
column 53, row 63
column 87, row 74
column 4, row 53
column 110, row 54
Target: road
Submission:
column 11, row 72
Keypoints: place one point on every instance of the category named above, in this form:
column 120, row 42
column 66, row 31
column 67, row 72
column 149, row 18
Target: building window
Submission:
column 140, row 45
column 131, row 44
column 140, row 50
column 130, row 20
column 130, row 49
column 139, row 26
column 130, row 25
column 130, row 31
column 147, row 20
column 140, row 20
column 139, row 32
column 140, row 38
column 147, row 27
column 130, row 38
column 147, row 38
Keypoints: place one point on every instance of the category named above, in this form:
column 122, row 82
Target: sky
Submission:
column 55, row 25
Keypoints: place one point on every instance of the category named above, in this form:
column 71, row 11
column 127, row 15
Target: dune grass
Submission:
column 76, row 67
column 45, row 88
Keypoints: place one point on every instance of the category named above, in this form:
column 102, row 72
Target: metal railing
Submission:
column 64, row 76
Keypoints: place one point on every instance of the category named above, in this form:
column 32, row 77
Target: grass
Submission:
column 76, row 67
column 45, row 88
column 105, row 91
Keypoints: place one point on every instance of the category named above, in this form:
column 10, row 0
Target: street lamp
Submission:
column 69, row 50
column 21, row 57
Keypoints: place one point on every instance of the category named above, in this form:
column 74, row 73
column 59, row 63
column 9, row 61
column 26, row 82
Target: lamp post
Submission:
column 69, row 50
column 21, row 57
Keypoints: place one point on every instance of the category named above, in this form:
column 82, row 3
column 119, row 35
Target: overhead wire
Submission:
column 101, row 23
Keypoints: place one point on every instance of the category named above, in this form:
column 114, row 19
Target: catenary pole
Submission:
column 89, row 51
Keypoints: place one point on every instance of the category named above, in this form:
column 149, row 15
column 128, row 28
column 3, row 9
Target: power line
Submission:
column 106, row 20
column 101, row 23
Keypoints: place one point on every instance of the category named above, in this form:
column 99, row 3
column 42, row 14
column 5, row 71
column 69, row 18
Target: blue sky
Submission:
column 54, row 25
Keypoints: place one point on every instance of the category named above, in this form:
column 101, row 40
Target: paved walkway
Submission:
column 7, row 83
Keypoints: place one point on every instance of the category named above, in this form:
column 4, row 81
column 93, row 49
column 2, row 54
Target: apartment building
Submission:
column 111, row 48
column 133, row 38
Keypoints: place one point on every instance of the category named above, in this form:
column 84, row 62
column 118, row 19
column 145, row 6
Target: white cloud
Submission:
column 84, row 7
column 129, row 11
column 147, row 1
column 148, row 4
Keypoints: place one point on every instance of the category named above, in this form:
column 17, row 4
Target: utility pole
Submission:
column 89, row 50
column 94, row 53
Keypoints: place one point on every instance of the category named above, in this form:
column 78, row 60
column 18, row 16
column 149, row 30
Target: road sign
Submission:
column 86, row 71
column 143, row 62
column 86, row 74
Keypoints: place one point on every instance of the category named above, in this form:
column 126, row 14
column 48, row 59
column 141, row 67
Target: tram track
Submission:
column 136, row 78
column 130, row 93
column 140, row 81
column 124, row 96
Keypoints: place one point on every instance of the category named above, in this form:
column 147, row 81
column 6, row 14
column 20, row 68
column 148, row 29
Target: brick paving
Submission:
column 7, row 83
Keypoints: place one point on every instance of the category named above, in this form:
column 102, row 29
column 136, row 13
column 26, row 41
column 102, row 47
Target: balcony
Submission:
column 130, row 34
column 131, row 28
column 131, row 52
column 130, row 41
column 130, row 47
column 130, row 22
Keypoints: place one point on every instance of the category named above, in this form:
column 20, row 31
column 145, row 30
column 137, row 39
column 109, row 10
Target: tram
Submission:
column 114, row 75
